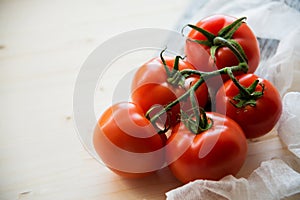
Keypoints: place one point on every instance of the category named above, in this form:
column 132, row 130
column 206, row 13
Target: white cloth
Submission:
column 273, row 180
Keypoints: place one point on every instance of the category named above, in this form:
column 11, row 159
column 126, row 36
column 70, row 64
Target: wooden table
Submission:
column 42, row 47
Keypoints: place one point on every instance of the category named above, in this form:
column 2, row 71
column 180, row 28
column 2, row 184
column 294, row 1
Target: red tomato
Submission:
column 198, row 54
column 150, row 87
column 255, row 120
column 212, row 154
column 127, row 142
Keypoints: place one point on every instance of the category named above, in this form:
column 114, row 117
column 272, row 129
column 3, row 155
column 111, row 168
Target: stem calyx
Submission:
column 174, row 76
column 195, row 118
column 242, row 99
column 222, row 39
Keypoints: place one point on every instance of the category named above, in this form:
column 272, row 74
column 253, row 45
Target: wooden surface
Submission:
column 42, row 46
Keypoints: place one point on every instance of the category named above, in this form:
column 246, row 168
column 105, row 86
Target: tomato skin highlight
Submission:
column 127, row 143
column 256, row 120
column 199, row 55
column 150, row 87
column 212, row 154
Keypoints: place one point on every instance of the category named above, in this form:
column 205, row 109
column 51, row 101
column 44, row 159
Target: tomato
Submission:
column 127, row 142
column 219, row 151
column 199, row 54
column 150, row 87
column 255, row 120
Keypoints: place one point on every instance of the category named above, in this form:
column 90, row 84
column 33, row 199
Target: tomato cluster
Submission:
column 179, row 117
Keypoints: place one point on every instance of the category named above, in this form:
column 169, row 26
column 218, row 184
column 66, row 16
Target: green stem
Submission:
column 210, row 37
column 228, row 31
column 240, row 67
column 173, row 103
column 219, row 41
column 242, row 89
column 204, row 75
column 164, row 62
